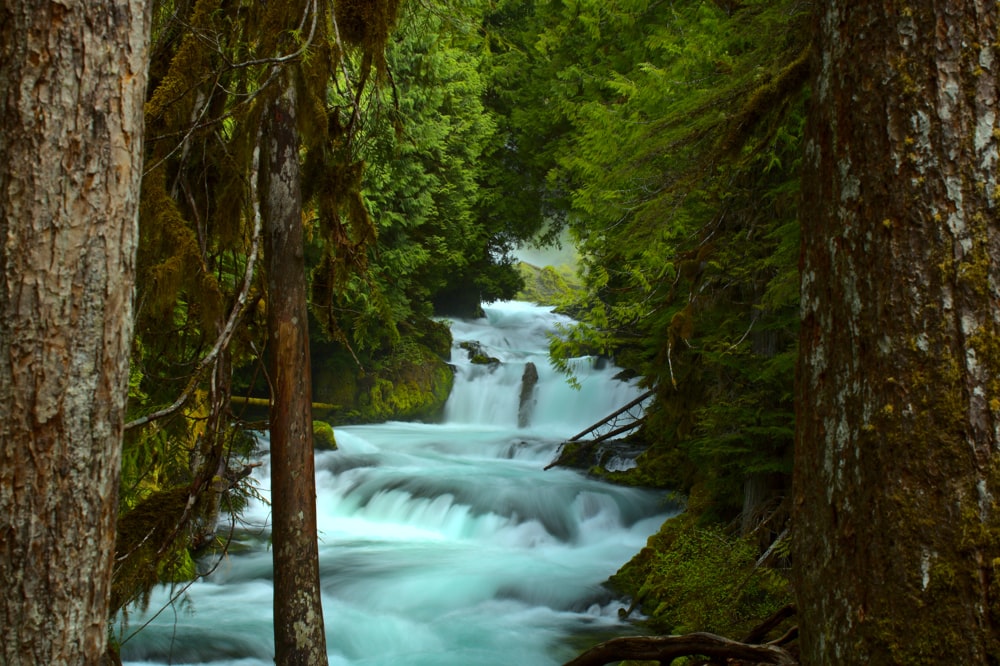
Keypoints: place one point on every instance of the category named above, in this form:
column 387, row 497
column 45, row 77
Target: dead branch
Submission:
column 234, row 317
column 758, row 633
column 666, row 648
column 787, row 637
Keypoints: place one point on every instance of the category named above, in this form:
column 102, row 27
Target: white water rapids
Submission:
column 440, row 544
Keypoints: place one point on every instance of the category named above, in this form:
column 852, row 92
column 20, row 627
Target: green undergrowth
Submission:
column 695, row 576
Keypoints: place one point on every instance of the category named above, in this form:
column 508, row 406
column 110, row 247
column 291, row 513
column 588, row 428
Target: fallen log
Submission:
column 667, row 648
column 767, row 626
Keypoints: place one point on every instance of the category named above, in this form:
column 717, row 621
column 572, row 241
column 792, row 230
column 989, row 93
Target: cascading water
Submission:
column 441, row 544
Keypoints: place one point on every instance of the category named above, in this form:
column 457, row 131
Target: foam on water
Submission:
column 440, row 544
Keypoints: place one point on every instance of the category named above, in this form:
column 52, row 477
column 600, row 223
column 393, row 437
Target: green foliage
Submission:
column 549, row 285
column 673, row 135
column 694, row 577
column 422, row 152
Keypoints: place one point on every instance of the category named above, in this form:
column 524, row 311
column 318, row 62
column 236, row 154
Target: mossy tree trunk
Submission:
column 299, row 636
column 896, row 520
column 72, row 84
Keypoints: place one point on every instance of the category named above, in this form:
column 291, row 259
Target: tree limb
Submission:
column 234, row 317
column 666, row 648
column 764, row 628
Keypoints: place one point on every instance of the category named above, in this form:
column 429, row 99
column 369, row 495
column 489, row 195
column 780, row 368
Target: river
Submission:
column 440, row 544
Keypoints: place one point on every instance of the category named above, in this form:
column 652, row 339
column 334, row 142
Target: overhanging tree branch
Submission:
column 234, row 317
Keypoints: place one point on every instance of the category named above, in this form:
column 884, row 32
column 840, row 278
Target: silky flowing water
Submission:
column 440, row 544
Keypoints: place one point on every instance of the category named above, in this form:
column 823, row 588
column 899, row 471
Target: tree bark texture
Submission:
column 897, row 537
column 298, row 614
column 72, row 86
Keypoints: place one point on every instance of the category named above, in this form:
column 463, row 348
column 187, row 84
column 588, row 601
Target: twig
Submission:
column 234, row 316
column 666, row 648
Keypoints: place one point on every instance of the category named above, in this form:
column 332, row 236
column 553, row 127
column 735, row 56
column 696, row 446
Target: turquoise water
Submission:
column 440, row 544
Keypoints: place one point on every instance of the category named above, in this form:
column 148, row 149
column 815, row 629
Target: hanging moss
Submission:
column 150, row 549
column 171, row 100
column 367, row 24
column 170, row 260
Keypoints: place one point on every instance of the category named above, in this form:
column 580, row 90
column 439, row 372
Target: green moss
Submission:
column 930, row 423
column 477, row 354
column 411, row 382
column 323, row 437
column 694, row 577
column 408, row 387
column 150, row 549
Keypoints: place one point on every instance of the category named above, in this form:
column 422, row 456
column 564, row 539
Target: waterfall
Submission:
column 440, row 544
column 517, row 334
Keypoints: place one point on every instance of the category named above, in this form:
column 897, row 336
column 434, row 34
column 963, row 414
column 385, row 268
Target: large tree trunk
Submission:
column 72, row 83
column 298, row 615
column 896, row 526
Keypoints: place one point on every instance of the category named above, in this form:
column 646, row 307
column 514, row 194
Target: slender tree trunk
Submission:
column 72, row 83
column 298, row 614
column 897, row 528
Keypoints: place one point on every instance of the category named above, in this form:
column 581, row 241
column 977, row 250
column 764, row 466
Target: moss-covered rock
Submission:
column 477, row 354
column 413, row 384
column 323, row 437
column 411, row 381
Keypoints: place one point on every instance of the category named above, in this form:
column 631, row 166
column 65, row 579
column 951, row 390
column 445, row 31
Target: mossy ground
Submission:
column 699, row 577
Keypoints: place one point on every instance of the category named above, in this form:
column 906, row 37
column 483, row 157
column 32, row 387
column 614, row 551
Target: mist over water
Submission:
column 440, row 544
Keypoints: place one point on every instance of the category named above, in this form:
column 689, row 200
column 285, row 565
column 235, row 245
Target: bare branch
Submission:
column 764, row 628
column 666, row 648
column 234, row 317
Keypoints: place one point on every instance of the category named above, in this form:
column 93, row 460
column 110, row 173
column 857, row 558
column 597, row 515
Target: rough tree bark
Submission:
column 896, row 516
column 72, row 83
column 298, row 614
